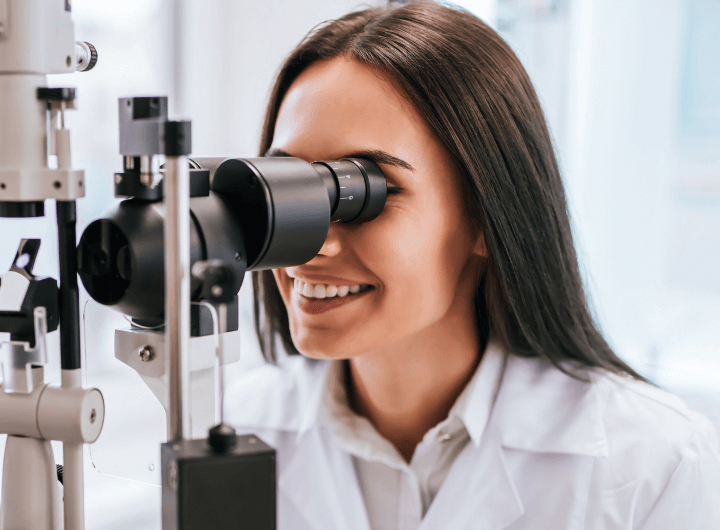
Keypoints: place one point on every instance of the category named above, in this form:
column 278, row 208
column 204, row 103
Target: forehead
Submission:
column 340, row 106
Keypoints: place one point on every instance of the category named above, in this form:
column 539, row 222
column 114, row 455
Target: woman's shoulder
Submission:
column 621, row 403
column 650, row 430
column 630, row 404
column 648, row 448
column 605, row 415
column 273, row 397
column 660, row 452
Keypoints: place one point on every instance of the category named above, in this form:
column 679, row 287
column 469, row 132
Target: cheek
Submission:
column 395, row 236
column 411, row 241
column 415, row 258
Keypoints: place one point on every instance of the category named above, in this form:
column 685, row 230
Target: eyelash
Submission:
column 393, row 190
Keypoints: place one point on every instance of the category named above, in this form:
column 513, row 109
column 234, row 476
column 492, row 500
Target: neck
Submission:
column 407, row 391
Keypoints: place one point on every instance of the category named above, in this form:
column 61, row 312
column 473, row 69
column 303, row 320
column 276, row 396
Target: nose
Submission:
column 333, row 244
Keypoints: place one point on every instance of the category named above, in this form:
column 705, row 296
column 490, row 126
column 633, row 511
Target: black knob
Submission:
column 218, row 281
column 56, row 94
column 222, row 438
column 93, row 57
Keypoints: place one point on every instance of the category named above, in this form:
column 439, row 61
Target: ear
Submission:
column 480, row 248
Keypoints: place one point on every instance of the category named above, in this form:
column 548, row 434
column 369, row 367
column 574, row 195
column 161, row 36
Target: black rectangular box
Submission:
column 204, row 490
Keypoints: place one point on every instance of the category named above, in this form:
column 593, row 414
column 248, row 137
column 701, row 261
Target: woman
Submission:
column 462, row 383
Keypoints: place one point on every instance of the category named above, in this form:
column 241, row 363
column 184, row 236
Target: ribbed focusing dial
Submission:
column 356, row 188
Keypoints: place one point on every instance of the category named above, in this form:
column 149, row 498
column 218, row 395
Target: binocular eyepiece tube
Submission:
column 259, row 213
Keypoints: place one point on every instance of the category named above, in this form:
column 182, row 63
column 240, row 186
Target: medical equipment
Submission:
column 217, row 217
column 37, row 38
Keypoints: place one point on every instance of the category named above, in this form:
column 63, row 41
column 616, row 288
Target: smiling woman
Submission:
column 460, row 372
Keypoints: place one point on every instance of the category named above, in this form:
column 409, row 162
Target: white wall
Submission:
column 643, row 221
column 620, row 162
column 231, row 50
column 644, row 192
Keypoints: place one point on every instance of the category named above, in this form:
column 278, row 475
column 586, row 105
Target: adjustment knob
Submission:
column 86, row 56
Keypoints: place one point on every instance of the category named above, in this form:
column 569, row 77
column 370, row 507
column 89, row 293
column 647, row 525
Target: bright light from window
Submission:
column 484, row 9
column 113, row 13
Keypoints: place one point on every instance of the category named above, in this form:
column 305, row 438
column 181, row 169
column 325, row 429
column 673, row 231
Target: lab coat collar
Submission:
column 473, row 406
column 538, row 408
column 479, row 492
column 541, row 409
column 476, row 402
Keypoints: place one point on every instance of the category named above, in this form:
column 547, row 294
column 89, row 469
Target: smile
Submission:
column 316, row 306
column 309, row 290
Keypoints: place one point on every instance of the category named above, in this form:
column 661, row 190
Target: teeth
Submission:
column 324, row 291
column 307, row 290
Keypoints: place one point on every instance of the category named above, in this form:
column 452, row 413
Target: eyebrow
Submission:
column 376, row 155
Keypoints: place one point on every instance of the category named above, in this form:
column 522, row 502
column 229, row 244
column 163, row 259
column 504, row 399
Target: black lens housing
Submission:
column 260, row 213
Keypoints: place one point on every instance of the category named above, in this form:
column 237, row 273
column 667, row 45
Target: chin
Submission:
column 319, row 352
column 317, row 345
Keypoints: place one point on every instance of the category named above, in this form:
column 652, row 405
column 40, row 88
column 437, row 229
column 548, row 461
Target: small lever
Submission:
column 218, row 281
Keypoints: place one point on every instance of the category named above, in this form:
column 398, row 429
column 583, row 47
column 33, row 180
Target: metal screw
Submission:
column 173, row 475
column 238, row 256
column 118, row 178
column 22, row 261
column 93, row 416
column 216, row 290
column 146, row 353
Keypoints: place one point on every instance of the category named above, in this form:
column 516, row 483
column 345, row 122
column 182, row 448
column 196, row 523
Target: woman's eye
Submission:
column 393, row 190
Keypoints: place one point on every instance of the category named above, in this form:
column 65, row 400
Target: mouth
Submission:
column 316, row 306
column 325, row 297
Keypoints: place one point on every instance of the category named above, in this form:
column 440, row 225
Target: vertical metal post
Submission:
column 73, row 471
column 69, row 297
column 176, row 190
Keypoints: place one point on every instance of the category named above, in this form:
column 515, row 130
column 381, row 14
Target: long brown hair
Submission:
column 477, row 98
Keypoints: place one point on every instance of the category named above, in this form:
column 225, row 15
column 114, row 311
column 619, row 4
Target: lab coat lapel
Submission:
column 320, row 481
column 478, row 493
column 538, row 410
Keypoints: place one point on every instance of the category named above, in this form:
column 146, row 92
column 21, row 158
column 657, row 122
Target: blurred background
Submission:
column 631, row 91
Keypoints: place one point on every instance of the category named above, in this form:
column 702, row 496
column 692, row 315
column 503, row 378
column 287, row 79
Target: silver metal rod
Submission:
column 176, row 189
column 73, row 471
column 222, row 328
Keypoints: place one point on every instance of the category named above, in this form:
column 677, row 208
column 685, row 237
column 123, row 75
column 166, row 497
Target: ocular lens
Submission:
column 356, row 189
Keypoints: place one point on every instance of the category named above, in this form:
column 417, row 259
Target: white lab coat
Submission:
column 557, row 454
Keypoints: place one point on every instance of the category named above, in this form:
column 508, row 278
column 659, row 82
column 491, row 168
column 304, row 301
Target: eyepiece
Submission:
column 356, row 188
